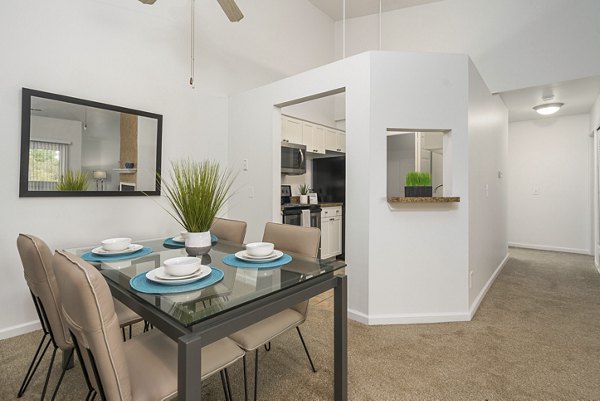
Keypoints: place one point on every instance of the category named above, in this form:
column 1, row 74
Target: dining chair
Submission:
column 141, row 369
column 36, row 259
column 229, row 230
column 286, row 237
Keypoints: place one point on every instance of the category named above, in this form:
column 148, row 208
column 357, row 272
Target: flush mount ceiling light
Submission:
column 548, row 108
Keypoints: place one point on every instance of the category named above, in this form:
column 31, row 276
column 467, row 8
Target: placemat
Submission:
column 141, row 284
column 231, row 260
column 92, row 257
column 169, row 243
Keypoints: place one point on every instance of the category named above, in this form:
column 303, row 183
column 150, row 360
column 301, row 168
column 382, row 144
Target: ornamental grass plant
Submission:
column 73, row 180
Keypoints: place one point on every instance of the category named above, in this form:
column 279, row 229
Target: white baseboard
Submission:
column 486, row 288
column 550, row 248
column 412, row 318
column 19, row 329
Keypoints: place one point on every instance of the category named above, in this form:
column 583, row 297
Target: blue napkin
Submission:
column 92, row 257
column 169, row 243
column 141, row 284
column 231, row 260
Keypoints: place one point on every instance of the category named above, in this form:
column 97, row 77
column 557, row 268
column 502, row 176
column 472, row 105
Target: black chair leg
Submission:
column 34, row 365
column 306, row 350
column 65, row 367
column 224, row 385
column 48, row 374
column 130, row 328
column 268, row 346
column 245, row 380
column 228, row 385
column 123, row 333
column 255, row 374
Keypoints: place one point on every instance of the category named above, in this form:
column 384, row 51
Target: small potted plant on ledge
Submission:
column 197, row 191
column 418, row 185
column 304, row 190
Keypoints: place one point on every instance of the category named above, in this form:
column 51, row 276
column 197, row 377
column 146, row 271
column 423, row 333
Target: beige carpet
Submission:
column 535, row 336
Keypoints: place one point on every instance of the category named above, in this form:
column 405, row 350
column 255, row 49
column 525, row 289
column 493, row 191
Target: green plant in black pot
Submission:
column 418, row 185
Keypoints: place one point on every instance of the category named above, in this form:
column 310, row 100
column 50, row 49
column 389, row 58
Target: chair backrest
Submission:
column 297, row 239
column 89, row 312
column 229, row 230
column 36, row 258
column 301, row 240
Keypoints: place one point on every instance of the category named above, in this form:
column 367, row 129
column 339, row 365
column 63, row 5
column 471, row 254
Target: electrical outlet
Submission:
column 487, row 190
column 245, row 164
column 251, row 191
column 536, row 189
column 471, row 279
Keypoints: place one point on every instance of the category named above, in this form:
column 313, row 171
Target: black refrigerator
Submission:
column 329, row 182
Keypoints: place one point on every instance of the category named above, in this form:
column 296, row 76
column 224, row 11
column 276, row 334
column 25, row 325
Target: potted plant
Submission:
column 418, row 185
column 304, row 190
column 196, row 192
column 73, row 180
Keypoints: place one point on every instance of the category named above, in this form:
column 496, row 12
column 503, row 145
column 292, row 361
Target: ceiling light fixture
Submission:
column 548, row 108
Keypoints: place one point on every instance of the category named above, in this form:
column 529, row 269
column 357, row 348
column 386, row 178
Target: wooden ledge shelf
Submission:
column 435, row 199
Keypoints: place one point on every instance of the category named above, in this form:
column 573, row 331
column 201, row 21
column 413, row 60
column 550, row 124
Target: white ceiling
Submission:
column 578, row 96
column 360, row 8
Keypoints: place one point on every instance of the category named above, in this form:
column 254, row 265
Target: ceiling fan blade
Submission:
column 231, row 10
column 148, row 1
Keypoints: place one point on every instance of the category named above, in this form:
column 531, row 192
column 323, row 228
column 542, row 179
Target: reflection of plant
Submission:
column 304, row 189
column 197, row 191
column 73, row 180
column 418, row 179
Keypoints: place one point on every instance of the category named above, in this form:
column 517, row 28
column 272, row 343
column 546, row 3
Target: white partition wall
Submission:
column 406, row 264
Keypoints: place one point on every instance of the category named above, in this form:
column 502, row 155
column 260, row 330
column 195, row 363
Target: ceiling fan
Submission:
column 229, row 7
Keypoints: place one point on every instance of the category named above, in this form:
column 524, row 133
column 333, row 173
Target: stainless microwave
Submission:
column 293, row 159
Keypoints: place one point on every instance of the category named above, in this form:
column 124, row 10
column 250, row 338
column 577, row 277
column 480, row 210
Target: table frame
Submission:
column 191, row 339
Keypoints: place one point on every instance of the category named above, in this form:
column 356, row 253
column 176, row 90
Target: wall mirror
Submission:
column 76, row 147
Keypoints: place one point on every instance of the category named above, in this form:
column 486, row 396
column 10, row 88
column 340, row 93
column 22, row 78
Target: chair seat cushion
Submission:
column 264, row 331
column 152, row 361
column 125, row 315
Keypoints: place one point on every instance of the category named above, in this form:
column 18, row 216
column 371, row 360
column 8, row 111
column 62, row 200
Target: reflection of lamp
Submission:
column 99, row 176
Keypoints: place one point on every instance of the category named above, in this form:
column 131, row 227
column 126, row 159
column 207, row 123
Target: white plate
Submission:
column 161, row 274
column 131, row 249
column 151, row 275
column 255, row 259
column 179, row 239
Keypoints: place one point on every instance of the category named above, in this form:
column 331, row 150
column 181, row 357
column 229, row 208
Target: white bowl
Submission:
column 259, row 248
column 183, row 234
column 182, row 266
column 116, row 244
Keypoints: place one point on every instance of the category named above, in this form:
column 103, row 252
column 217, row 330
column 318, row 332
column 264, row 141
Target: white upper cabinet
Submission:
column 335, row 140
column 313, row 136
column 291, row 130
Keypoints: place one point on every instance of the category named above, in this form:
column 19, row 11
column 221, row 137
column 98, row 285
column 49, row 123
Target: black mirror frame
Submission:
column 26, row 135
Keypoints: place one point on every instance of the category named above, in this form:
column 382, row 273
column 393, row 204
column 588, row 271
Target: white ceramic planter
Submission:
column 198, row 243
column 304, row 199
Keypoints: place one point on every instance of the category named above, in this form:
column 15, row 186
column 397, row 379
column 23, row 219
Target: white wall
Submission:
column 512, row 42
column 394, row 277
column 101, row 145
column 137, row 56
column 146, row 162
column 594, row 125
column 488, row 142
column 551, row 156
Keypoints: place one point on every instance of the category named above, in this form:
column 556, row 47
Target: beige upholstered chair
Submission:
column 229, row 230
column 36, row 258
column 141, row 369
column 290, row 238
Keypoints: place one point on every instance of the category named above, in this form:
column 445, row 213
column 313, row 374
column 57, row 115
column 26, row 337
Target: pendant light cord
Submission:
column 193, row 18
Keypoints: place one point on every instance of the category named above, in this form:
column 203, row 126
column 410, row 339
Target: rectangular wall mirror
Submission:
column 76, row 147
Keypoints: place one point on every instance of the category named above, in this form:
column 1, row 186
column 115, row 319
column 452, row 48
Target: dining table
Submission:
column 242, row 297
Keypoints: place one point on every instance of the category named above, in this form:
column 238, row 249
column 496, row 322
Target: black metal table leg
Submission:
column 340, row 338
column 188, row 367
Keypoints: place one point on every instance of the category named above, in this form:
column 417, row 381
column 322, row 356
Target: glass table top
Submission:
column 238, row 287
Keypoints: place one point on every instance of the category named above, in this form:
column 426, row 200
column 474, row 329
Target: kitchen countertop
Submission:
column 435, row 199
column 331, row 204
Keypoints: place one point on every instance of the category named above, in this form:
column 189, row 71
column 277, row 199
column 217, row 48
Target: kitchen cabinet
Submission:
column 331, row 232
column 313, row 136
column 335, row 140
column 291, row 130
